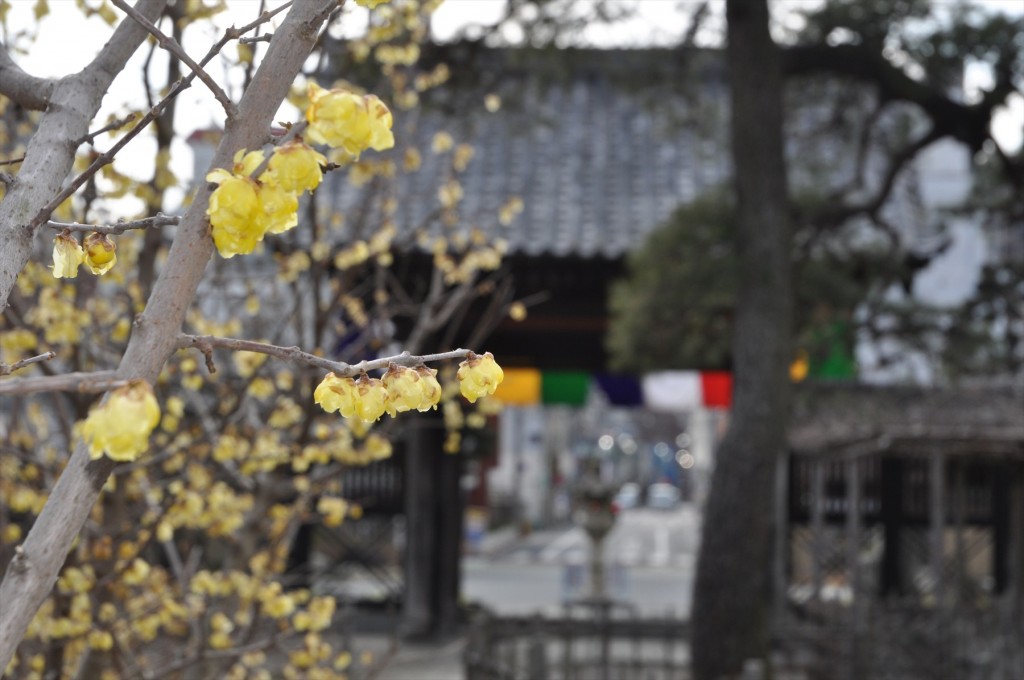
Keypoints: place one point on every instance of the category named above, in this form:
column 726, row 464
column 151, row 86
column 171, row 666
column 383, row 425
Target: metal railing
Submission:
column 592, row 640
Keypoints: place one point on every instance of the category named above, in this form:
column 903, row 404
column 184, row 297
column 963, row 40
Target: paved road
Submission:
column 641, row 538
column 650, row 557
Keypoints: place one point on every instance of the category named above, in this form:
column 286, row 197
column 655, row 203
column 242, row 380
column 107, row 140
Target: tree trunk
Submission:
column 732, row 593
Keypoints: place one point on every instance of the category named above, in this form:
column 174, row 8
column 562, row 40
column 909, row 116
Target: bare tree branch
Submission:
column 115, row 125
column 49, row 158
column 119, row 227
column 172, row 46
column 207, row 343
column 106, row 158
column 86, row 383
column 26, row 90
column 7, row 369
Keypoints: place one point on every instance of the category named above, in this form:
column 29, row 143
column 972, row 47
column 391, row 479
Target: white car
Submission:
column 663, row 496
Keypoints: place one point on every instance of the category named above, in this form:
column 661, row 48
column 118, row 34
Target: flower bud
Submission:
column 100, row 253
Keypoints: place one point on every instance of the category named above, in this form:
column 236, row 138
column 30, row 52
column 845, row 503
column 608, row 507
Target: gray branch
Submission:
column 155, row 337
column 72, row 104
column 20, row 87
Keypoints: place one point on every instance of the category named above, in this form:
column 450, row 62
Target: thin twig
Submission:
column 13, row 161
column 85, row 383
column 266, row 37
column 119, row 227
column 6, row 178
column 232, row 653
column 172, row 46
column 207, row 343
column 105, row 158
column 7, row 369
column 115, row 125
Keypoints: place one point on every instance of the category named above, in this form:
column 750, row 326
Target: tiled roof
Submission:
column 602, row 145
column 972, row 420
column 597, row 162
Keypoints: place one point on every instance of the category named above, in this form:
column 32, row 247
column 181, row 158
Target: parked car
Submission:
column 663, row 496
column 628, row 496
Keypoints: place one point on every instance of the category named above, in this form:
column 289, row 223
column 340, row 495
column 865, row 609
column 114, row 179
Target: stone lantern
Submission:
column 595, row 514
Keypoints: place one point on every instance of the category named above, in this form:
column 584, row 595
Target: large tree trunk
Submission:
column 732, row 592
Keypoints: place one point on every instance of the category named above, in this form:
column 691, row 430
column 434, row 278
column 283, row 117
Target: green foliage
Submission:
column 675, row 308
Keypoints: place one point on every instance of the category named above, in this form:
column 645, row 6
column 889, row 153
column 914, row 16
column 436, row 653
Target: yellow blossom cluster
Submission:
column 401, row 389
column 404, row 389
column 345, row 120
column 244, row 207
column 120, row 426
column 99, row 254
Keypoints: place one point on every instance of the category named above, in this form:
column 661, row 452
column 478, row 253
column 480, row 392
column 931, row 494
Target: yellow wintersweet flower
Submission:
column 381, row 137
column 318, row 615
column 345, row 120
column 370, row 4
column 100, row 253
column 333, row 509
column 137, row 573
column 295, row 167
column 479, row 376
column 121, row 425
column 336, row 394
column 246, row 162
column 430, row 388
column 236, row 214
column 280, row 208
column 101, row 640
column 403, row 389
column 370, row 398
column 67, row 255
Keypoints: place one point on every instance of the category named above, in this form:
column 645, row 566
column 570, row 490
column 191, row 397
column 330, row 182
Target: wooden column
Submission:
column 423, row 442
column 892, row 522
column 1002, row 485
column 450, row 507
column 780, row 563
column 817, row 524
column 937, row 522
column 1016, row 546
column 853, row 523
column 959, row 510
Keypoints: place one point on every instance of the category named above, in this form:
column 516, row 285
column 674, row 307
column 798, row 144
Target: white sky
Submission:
column 656, row 22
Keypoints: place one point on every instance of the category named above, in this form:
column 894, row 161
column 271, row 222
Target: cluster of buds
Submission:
column 260, row 196
column 400, row 389
column 121, row 425
column 99, row 254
